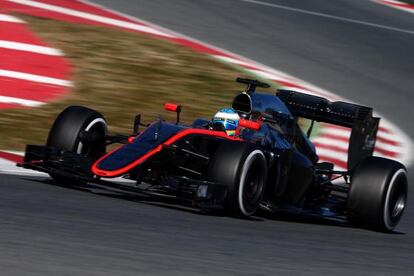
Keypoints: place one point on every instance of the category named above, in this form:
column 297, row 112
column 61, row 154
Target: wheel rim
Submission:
column 252, row 182
column 395, row 200
column 398, row 207
column 99, row 126
column 253, row 186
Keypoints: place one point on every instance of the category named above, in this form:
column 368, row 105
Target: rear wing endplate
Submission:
column 357, row 117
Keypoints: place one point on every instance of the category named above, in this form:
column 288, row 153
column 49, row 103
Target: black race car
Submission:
column 270, row 163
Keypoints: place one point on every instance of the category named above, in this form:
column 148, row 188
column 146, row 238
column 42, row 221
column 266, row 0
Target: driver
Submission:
column 227, row 119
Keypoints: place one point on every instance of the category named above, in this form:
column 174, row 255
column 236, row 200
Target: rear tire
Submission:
column 378, row 194
column 242, row 168
column 66, row 130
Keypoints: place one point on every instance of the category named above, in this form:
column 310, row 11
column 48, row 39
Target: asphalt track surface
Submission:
column 58, row 230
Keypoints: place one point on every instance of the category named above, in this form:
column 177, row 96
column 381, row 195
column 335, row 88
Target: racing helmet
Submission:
column 228, row 118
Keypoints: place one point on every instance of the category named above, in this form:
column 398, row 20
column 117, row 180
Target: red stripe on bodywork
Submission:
column 169, row 142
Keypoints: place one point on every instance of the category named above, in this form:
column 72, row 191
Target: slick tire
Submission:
column 66, row 130
column 241, row 167
column 378, row 194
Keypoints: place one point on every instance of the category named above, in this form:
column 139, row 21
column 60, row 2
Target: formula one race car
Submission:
column 269, row 163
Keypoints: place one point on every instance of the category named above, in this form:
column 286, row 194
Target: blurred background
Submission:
column 123, row 57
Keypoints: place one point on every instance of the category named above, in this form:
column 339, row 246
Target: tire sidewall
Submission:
column 65, row 132
column 391, row 182
column 373, row 185
column 228, row 167
column 88, row 125
column 245, row 166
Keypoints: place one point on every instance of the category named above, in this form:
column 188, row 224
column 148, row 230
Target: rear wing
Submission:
column 357, row 117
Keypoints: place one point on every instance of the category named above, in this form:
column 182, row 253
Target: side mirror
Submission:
column 173, row 108
column 249, row 124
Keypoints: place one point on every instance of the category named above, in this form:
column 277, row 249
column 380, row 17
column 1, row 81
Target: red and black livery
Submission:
column 269, row 164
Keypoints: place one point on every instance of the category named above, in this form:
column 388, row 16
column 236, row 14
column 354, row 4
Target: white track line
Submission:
column 9, row 18
column 334, row 17
column 7, row 167
column 30, row 48
column 34, row 78
column 90, row 16
column 20, row 101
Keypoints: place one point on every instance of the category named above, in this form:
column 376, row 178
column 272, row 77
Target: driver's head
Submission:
column 228, row 118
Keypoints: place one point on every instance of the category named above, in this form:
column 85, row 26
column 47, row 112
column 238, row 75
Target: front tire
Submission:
column 378, row 194
column 241, row 167
column 65, row 133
